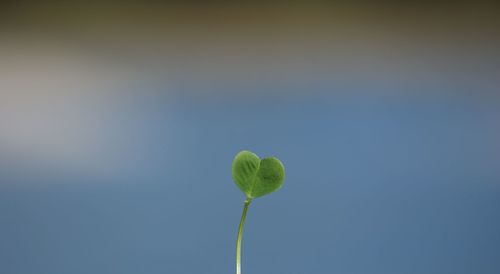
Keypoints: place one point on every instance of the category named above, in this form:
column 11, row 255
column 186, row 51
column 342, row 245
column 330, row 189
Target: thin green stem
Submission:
column 240, row 235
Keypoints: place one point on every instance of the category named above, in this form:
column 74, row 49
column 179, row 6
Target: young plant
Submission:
column 255, row 177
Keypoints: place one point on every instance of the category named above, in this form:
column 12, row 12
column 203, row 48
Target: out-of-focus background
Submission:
column 119, row 121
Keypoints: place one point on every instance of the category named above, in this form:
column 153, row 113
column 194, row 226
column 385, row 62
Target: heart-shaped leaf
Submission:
column 256, row 177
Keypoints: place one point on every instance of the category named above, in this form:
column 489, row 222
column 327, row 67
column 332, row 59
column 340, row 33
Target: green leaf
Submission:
column 256, row 177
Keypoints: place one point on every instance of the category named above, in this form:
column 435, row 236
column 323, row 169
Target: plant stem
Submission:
column 240, row 235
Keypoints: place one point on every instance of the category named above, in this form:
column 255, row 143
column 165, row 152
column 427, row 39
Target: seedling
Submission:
column 255, row 177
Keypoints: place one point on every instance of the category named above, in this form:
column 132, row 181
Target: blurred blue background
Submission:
column 119, row 123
